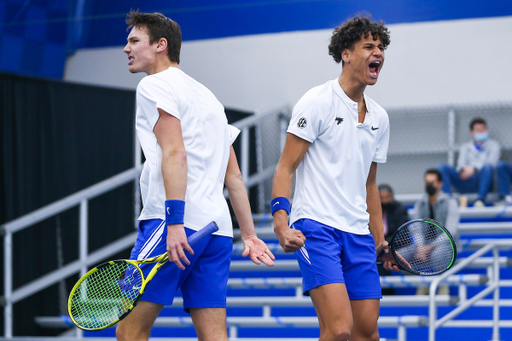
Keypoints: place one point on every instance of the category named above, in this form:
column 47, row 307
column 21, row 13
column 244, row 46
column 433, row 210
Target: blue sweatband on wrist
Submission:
column 174, row 211
column 280, row 203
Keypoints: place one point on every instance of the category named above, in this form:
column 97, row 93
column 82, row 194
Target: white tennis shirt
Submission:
column 330, row 184
column 207, row 138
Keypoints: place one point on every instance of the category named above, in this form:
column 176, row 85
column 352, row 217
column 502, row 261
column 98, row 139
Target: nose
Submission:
column 126, row 48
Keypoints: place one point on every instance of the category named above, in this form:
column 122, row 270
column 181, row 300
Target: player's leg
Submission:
column 365, row 314
column 323, row 280
column 332, row 307
column 137, row 325
column 210, row 323
column 205, row 289
column 363, row 284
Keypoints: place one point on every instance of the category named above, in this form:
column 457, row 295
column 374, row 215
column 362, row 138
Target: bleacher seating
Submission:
column 267, row 303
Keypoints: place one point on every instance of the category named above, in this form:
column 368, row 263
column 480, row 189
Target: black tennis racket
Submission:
column 423, row 247
column 109, row 292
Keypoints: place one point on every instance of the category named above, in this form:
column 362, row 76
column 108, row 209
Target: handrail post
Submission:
column 496, row 299
column 245, row 154
column 8, row 285
column 451, row 137
column 83, row 236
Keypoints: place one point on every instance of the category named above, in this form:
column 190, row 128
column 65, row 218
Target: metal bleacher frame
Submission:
column 491, row 280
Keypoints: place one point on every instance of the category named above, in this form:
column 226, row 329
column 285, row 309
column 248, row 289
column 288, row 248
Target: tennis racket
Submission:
column 423, row 247
column 109, row 292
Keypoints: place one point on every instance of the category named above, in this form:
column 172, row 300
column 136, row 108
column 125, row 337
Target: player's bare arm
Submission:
column 174, row 170
column 294, row 150
column 376, row 225
column 254, row 247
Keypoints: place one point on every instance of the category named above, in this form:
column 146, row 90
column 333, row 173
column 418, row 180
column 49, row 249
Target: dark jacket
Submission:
column 397, row 216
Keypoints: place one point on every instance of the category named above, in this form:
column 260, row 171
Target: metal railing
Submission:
column 493, row 286
column 82, row 199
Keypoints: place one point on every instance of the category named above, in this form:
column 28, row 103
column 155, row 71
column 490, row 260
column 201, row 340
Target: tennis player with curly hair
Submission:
column 336, row 137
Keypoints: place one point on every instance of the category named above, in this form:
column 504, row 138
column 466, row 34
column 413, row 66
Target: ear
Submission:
column 162, row 45
column 345, row 55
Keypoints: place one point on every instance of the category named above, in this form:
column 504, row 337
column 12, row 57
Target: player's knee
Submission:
column 123, row 333
column 337, row 333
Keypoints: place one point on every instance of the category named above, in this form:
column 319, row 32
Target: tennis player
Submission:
column 336, row 137
column 186, row 140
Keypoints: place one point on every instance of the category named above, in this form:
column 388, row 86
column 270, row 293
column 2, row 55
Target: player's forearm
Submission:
column 374, row 209
column 240, row 203
column 174, row 171
column 282, row 187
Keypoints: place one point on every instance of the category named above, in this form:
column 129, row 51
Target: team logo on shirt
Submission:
column 338, row 120
column 302, row 123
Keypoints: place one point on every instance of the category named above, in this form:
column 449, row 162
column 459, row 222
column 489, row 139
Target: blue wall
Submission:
column 37, row 35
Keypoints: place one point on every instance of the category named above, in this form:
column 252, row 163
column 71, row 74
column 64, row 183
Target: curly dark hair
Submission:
column 159, row 26
column 349, row 33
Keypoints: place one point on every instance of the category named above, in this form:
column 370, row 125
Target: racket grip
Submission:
column 205, row 231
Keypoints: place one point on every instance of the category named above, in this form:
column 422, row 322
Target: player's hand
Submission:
column 383, row 251
column 257, row 251
column 176, row 245
column 290, row 240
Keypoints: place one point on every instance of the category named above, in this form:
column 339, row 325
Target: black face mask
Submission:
column 430, row 189
column 388, row 206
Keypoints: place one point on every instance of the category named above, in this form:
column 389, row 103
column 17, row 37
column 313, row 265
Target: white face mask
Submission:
column 481, row 137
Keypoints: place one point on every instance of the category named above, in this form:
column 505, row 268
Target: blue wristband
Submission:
column 280, row 203
column 174, row 211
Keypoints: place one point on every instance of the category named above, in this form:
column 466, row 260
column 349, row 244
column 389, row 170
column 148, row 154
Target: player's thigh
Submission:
column 210, row 323
column 365, row 314
column 137, row 325
column 333, row 308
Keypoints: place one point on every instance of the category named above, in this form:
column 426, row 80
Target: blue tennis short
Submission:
column 203, row 283
column 333, row 256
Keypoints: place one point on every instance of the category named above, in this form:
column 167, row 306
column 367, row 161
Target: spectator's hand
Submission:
column 257, row 251
column 466, row 172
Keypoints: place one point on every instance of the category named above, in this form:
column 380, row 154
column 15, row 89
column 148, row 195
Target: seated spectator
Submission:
column 475, row 166
column 394, row 215
column 504, row 175
column 437, row 205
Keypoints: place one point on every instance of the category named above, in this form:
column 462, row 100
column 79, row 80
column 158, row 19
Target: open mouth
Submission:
column 375, row 67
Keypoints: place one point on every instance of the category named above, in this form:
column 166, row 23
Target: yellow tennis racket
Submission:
column 109, row 292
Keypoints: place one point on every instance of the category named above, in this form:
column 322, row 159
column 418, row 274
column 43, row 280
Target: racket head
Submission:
column 106, row 294
column 423, row 247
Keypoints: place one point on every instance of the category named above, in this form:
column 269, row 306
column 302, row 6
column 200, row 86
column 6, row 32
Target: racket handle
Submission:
column 205, row 231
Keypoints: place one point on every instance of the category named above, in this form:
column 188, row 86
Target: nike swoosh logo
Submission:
column 375, row 128
column 168, row 211
column 277, row 202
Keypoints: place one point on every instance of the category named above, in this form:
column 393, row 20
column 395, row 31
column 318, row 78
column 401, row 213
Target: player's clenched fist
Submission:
column 290, row 240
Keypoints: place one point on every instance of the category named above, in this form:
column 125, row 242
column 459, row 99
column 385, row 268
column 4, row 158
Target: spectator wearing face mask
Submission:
column 436, row 204
column 475, row 167
column 394, row 213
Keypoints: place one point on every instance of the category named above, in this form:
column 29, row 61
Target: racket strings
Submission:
column 425, row 247
column 104, row 296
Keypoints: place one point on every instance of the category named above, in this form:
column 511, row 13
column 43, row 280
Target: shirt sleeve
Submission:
column 381, row 153
column 154, row 94
column 308, row 121
column 233, row 133
column 494, row 153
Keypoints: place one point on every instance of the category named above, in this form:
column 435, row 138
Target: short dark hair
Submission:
column 436, row 172
column 159, row 26
column 349, row 33
column 386, row 188
column 477, row 120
